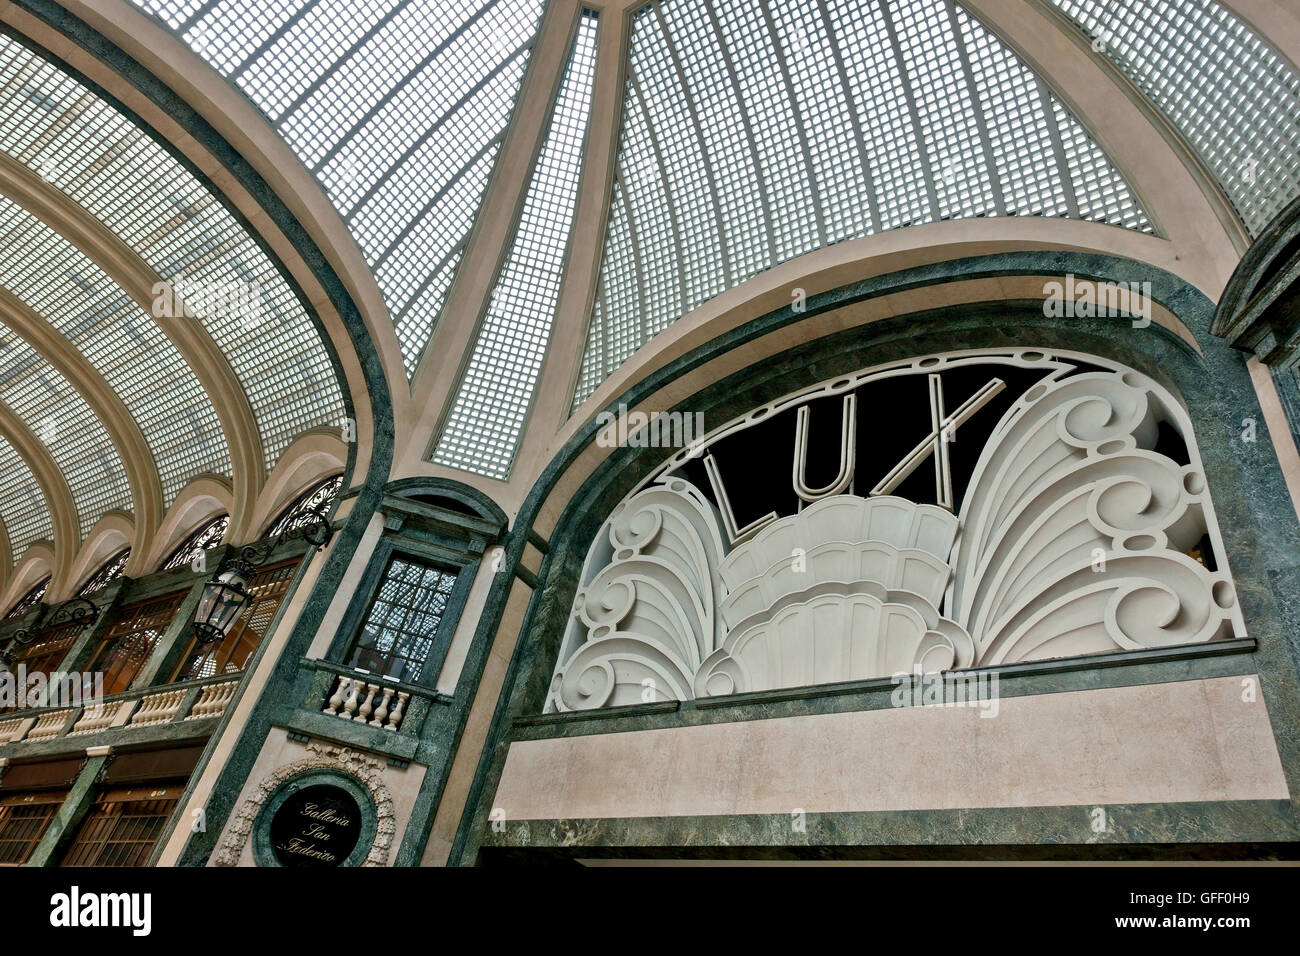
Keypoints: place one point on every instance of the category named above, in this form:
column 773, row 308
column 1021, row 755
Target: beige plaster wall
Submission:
column 1156, row 743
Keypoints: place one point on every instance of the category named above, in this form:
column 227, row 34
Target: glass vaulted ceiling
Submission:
column 483, row 428
column 1233, row 97
column 23, row 508
column 79, row 144
column 122, row 342
column 755, row 131
column 397, row 106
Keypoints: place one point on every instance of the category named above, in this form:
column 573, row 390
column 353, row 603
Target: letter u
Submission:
column 848, row 451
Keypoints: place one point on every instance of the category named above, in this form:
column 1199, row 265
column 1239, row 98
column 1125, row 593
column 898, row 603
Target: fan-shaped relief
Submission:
column 1060, row 509
column 1075, row 531
column 644, row 617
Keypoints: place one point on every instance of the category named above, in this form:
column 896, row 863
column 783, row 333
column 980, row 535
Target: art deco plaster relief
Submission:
column 1085, row 526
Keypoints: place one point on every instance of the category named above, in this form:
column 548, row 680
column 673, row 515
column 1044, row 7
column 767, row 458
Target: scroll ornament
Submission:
column 1072, row 538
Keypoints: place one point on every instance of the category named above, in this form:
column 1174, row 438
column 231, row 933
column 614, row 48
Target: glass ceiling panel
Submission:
column 121, row 341
column 22, row 506
column 754, row 132
column 60, row 418
column 157, row 207
column 1232, row 96
column 396, row 106
column 483, row 428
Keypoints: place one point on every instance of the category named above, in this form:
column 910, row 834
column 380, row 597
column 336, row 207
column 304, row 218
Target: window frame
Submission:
column 108, row 646
column 53, row 799
column 122, row 555
column 30, row 595
column 108, row 829
column 295, row 509
column 187, row 645
column 191, row 540
column 463, row 564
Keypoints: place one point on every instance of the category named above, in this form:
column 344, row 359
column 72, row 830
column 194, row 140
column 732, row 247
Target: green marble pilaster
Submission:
column 69, row 814
column 173, row 642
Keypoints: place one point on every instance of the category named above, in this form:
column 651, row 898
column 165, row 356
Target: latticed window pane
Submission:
column 122, row 827
column 26, row 514
column 108, row 572
column 401, row 625
column 30, row 599
column 398, row 107
column 87, row 148
column 317, row 498
column 48, row 647
column 24, row 818
column 131, row 639
column 207, row 536
column 228, row 656
column 1223, row 86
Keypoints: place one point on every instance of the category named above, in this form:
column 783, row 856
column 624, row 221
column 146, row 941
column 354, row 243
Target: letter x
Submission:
column 942, row 427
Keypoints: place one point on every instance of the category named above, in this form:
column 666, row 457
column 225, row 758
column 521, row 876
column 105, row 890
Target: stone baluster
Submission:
column 158, row 708
column 49, row 725
column 11, row 730
column 395, row 718
column 213, row 700
column 363, row 715
column 95, row 718
column 350, row 701
column 381, row 712
column 332, row 705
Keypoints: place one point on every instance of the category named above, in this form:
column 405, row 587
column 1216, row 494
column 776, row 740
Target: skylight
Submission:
column 1224, row 88
column 89, row 150
column 26, row 513
column 484, row 425
column 753, row 133
column 398, row 108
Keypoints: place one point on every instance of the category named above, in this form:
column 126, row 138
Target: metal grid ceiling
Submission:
column 483, row 427
column 101, row 160
column 62, row 421
column 754, row 132
column 26, row 514
column 397, row 106
column 122, row 342
column 1224, row 88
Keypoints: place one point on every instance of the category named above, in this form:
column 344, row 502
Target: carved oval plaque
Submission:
column 317, row 826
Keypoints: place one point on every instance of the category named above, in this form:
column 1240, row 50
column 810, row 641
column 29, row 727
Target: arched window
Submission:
column 30, row 599
column 207, row 536
column 318, row 498
column 108, row 572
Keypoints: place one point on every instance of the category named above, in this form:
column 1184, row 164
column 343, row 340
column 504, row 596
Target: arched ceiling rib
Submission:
column 1225, row 89
column 397, row 106
column 49, row 282
column 54, row 414
column 98, row 220
column 104, row 401
column 26, row 512
column 50, row 477
column 190, row 338
column 755, row 132
column 87, row 149
column 483, row 427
